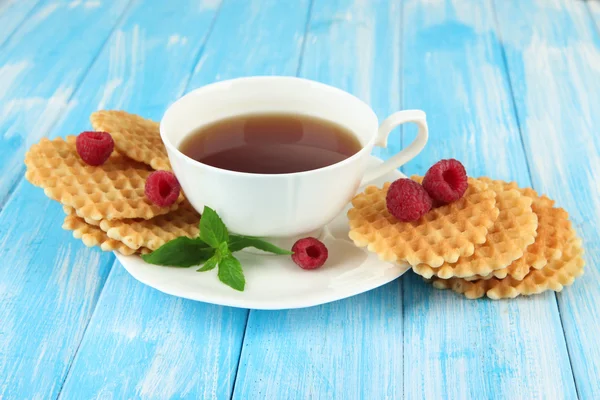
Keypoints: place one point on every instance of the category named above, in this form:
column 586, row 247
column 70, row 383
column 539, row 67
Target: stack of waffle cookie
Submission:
column 498, row 240
column 106, row 205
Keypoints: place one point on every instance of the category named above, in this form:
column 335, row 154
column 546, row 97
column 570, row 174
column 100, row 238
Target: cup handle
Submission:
column 398, row 118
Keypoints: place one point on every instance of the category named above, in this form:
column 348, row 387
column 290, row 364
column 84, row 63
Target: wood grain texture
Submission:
column 141, row 343
column 12, row 15
column 62, row 59
column 350, row 349
column 255, row 37
column 52, row 281
column 554, row 63
column 144, row 344
column 594, row 9
column 49, row 284
column 144, row 67
column 453, row 347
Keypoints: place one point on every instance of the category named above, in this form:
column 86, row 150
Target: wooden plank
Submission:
column 50, row 281
column 350, row 349
column 141, row 343
column 171, row 36
column 253, row 38
column 454, row 347
column 48, row 285
column 144, row 344
column 38, row 76
column 12, row 15
column 554, row 63
column 594, row 9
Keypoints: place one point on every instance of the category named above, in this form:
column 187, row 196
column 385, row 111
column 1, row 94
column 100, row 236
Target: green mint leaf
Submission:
column 223, row 250
column 182, row 252
column 212, row 230
column 231, row 274
column 238, row 242
column 210, row 264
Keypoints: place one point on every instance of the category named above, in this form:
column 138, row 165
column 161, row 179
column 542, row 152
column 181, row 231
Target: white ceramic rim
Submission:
column 317, row 299
column 366, row 147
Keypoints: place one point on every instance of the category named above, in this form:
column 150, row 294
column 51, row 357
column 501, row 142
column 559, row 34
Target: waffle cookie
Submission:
column 554, row 229
column 93, row 236
column 514, row 230
column 442, row 235
column 71, row 211
column 114, row 190
column 154, row 232
column 136, row 137
column 557, row 274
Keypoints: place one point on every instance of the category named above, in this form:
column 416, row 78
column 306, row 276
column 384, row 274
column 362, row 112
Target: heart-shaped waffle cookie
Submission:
column 442, row 235
column 554, row 229
column 136, row 137
column 113, row 190
column 508, row 238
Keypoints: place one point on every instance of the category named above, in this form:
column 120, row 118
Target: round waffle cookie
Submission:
column 555, row 275
column 554, row 229
column 136, row 137
column 508, row 238
column 157, row 231
column 93, row 236
column 113, row 190
column 442, row 235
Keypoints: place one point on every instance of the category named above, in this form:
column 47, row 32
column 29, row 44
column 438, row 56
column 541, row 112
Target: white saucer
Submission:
column 275, row 282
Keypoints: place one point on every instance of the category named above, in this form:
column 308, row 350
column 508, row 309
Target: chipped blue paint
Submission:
column 554, row 66
column 350, row 349
column 148, row 344
column 454, row 69
column 52, row 280
column 12, row 14
column 49, row 284
column 508, row 86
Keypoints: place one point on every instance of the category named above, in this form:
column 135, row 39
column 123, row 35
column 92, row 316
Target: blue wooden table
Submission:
column 511, row 88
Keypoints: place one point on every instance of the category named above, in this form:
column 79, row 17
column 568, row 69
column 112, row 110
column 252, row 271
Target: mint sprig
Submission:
column 212, row 229
column 212, row 248
column 182, row 252
column 211, row 263
column 230, row 272
column 238, row 242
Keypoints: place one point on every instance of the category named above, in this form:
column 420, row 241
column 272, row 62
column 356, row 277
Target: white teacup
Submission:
column 281, row 206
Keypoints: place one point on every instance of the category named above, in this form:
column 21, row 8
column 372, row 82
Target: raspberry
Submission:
column 309, row 253
column 446, row 181
column 94, row 147
column 162, row 188
column 407, row 200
